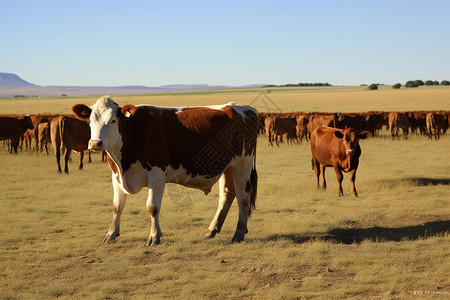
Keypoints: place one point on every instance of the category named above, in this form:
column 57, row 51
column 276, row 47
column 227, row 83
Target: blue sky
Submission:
column 152, row 43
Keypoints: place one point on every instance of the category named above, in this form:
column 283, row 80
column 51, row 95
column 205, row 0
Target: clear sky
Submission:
column 152, row 43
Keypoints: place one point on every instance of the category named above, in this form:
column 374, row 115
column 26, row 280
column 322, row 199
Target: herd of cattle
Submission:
column 67, row 133
column 195, row 146
column 296, row 126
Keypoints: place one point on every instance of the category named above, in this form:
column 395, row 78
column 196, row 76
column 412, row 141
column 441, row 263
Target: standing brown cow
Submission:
column 398, row 120
column 42, row 136
column 12, row 128
column 337, row 148
column 436, row 124
column 68, row 134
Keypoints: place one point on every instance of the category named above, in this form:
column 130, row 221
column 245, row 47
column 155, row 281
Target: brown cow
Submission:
column 42, row 136
column 12, row 128
column 337, row 148
column 278, row 126
column 68, row 134
column 398, row 120
column 302, row 127
column 436, row 123
column 319, row 119
column 375, row 122
column 352, row 120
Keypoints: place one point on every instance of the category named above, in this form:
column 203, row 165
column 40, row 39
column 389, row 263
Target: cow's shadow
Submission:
column 424, row 181
column 376, row 234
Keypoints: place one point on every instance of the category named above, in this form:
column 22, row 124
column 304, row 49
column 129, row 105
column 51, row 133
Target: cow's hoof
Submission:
column 109, row 238
column 153, row 241
column 210, row 234
column 237, row 238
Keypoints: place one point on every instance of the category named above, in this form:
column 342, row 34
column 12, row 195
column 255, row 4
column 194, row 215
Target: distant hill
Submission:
column 12, row 85
column 9, row 79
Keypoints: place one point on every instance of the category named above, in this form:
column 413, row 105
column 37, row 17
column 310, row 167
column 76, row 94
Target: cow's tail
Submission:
column 254, row 187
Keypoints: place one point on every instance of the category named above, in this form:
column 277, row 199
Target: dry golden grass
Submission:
column 392, row 242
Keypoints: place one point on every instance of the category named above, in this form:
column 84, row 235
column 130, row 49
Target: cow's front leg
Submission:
column 156, row 183
column 352, row 176
column 118, row 206
column 340, row 177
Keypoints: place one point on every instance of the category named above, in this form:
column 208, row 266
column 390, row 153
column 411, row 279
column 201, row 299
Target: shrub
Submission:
column 411, row 83
column 418, row 82
column 429, row 82
column 396, row 86
column 373, row 86
column 435, row 82
column 445, row 82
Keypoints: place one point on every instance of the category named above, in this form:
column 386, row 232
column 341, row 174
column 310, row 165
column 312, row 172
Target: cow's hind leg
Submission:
column 245, row 180
column 226, row 197
column 118, row 206
column 81, row 160
column 66, row 160
column 156, row 183
column 316, row 167
column 322, row 170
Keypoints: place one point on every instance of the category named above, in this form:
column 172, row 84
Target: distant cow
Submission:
column 150, row 146
column 436, row 124
column 316, row 120
column 12, row 128
column 69, row 134
column 353, row 120
column 375, row 122
column 278, row 126
column 42, row 136
column 337, row 148
column 302, row 127
column 398, row 120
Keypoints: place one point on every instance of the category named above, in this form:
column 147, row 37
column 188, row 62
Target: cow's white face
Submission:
column 104, row 125
column 103, row 117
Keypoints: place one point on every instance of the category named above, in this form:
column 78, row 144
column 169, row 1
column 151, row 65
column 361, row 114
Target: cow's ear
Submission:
column 127, row 111
column 82, row 111
column 338, row 134
column 363, row 135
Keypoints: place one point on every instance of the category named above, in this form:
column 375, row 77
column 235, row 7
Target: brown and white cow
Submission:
column 150, row 146
column 69, row 134
column 337, row 148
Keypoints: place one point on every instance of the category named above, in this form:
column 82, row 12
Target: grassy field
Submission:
column 392, row 242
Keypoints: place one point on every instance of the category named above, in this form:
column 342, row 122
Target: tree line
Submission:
column 412, row 84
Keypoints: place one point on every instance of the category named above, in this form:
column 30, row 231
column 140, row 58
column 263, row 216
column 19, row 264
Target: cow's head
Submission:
column 350, row 139
column 104, row 118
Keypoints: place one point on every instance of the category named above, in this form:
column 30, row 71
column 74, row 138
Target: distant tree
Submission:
column 435, row 82
column 419, row 82
column 373, row 86
column 429, row 82
column 396, row 86
column 411, row 83
column 445, row 82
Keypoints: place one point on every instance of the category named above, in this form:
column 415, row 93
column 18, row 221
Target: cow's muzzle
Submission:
column 96, row 145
